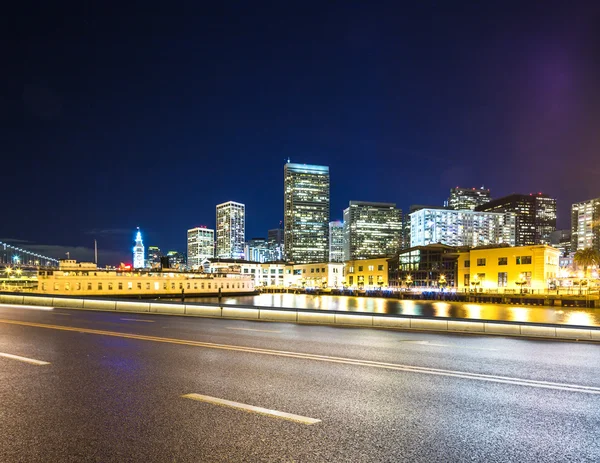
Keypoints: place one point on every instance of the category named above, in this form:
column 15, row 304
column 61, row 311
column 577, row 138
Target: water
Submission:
column 534, row 314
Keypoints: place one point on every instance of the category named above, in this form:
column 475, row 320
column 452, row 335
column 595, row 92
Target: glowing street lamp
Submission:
column 475, row 281
column 521, row 281
column 8, row 270
column 442, row 283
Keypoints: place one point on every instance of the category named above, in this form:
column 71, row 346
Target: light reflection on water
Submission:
column 536, row 314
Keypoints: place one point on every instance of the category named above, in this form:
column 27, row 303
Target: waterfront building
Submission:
column 231, row 226
column 461, row 228
column 138, row 251
column 371, row 230
column 306, row 213
column 154, row 255
column 200, row 246
column 268, row 274
column 467, row 198
column 336, row 241
column 535, row 213
column 431, row 266
column 585, row 225
column 314, row 275
column 367, row 273
column 492, row 268
column 86, row 279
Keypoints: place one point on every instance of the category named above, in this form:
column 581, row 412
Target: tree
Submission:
column 586, row 258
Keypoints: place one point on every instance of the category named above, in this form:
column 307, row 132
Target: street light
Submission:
column 408, row 281
column 8, row 270
column 442, row 281
column 521, row 281
column 475, row 282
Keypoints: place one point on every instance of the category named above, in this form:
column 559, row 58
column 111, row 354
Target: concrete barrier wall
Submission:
column 310, row 317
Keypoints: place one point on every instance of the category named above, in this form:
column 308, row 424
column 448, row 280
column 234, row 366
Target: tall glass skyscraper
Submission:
column 231, row 226
column 138, row 251
column 371, row 230
column 200, row 246
column 585, row 225
column 467, row 198
column 461, row 228
column 336, row 241
column 536, row 216
column 306, row 213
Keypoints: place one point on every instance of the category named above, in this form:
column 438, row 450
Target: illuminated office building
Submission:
column 371, row 230
column 306, row 213
column 138, row 251
column 200, row 246
column 461, row 228
column 153, row 258
column 231, row 225
column 585, row 225
column 536, row 216
column 336, row 241
column 467, row 198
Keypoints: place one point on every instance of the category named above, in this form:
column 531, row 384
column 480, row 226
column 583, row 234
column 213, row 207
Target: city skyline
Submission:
column 390, row 129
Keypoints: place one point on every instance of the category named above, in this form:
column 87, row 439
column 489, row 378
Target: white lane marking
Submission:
column 59, row 313
column 322, row 358
column 23, row 359
column 432, row 344
column 252, row 329
column 27, row 307
column 137, row 320
column 251, row 408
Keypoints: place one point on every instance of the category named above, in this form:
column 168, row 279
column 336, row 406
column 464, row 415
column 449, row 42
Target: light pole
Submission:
column 521, row 281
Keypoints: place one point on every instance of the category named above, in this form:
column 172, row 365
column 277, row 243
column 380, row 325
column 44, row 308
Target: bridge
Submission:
column 15, row 257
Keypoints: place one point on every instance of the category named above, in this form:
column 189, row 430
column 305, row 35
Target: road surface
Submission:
column 90, row 386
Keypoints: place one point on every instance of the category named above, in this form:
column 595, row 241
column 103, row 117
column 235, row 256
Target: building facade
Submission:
column 585, row 225
column 513, row 268
column 371, row 230
column 561, row 240
column 336, row 241
column 176, row 260
column 306, row 213
column 431, row 266
column 200, row 246
column 138, row 251
column 467, row 198
column 275, row 243
column 154, row 255
column 367, row 273
column 85, row 279
column 231, row 227
column 461, row 228
column 314, row 275
column 535, row 213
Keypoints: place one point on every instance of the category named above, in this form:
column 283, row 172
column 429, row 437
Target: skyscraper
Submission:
column 467, row 198
column 371, row 230
column 461, row 228
column 336, row 241
column 154, row 255
column 231, row 226
column 585, row 225
column 138, row 251
column 200, row 246
column 536, row 216
column 306, row 212
column 275, row 242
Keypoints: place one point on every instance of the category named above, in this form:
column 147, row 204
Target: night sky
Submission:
column 150, row 118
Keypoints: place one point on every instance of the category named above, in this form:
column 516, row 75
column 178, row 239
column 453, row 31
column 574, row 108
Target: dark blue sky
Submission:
column 151, row 118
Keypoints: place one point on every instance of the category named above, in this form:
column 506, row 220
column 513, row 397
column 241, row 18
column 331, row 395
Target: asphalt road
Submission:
column 114, row 385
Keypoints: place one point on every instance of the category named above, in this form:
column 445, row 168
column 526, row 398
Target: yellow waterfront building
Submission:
column 366, row 273
column 512, row 268
column 85, row 279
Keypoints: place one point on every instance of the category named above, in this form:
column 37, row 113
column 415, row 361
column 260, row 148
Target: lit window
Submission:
column 129, row 285
column 371, row 268
column 67, row 286
column 156, row 286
